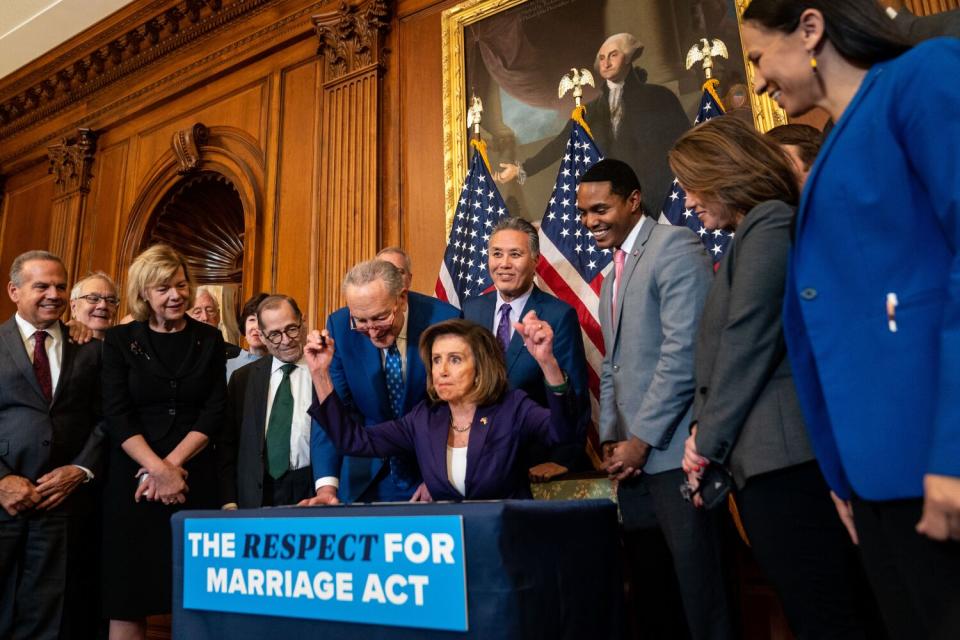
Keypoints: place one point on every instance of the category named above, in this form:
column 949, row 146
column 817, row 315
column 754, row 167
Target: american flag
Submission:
column 571, row 266
column 675, row 210
column 464, row 270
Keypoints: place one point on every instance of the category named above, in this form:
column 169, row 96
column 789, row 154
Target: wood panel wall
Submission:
column 330, row 130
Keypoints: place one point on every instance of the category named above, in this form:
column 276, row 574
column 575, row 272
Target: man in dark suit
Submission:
column 50, row 448
column 649, row 309
column 265, row 452
column 512, row 254
column 631, row 119
column 378, row 373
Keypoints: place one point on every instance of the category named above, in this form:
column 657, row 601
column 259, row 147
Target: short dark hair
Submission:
column 250, row 308
column 802, row 136
column 859, row 30
column 510, row 223
column 16, row 269
column 490, row 369
column 622, row 178
column 274, row 301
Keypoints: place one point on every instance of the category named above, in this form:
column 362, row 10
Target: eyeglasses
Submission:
column 375, row 324
column 276, row 337
column 95, row 299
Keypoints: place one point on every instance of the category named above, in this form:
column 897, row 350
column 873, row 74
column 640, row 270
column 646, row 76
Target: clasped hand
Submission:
column 19, row 494
column 166, row 483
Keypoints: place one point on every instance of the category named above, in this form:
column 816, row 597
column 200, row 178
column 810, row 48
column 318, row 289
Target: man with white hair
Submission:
column 93, row 303
column 632, row 120
column 206, row 309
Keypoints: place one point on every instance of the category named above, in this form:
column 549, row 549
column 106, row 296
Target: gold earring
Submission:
column 813, row 62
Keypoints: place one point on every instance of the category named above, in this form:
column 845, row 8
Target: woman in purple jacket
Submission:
column 470, row 434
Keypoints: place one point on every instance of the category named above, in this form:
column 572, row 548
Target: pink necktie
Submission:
column 619, row 257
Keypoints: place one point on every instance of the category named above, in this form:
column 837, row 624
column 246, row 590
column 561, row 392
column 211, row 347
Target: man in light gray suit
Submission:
column 649, row 308
column 50, row 448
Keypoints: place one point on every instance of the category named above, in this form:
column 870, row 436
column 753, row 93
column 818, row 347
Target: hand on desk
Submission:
column 546, row 471
column 326, row 495
column 422, row 494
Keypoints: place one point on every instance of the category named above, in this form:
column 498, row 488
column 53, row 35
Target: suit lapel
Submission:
column 142, row 347
column 633, row 259
column 516, row 342
column 11, row 336
column 439, row 431
column 372, row 374
column 259, row 390
column 68, row 355
column 482, row 424
column 416, row 378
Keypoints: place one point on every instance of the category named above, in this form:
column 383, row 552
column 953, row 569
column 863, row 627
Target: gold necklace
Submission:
column 459, row 429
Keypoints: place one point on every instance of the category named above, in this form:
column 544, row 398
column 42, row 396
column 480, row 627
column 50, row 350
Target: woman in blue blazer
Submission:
column 469, row 435
column 872, row 301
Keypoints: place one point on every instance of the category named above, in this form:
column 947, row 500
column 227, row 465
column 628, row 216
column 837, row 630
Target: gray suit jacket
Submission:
column 646, row 382
column 36, row 437
column 746, row 405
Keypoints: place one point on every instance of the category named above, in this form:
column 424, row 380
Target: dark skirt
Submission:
column 137, row 540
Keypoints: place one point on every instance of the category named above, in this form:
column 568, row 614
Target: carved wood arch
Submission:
column 228, row 153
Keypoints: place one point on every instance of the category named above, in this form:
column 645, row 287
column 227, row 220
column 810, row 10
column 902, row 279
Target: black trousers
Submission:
column 43, row 571
column 694, row 539
column 805, row 552
column 290, row 488
column 916, row 579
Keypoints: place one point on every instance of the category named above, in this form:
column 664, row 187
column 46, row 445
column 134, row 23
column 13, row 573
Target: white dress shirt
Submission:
column 457, row 468
column 516, row 308
column 54, row 346
column 631, row 239
column 301, row 386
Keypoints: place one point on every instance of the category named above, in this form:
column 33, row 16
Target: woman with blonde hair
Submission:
column 163, row 398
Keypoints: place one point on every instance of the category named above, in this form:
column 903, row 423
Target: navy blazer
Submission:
column 881, row 405
column 357, row 372
column 525, row 374
column 499, row 434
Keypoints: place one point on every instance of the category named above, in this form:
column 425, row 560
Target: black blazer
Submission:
column 36, row 437
column 141, row 396
column 240, row 449
column 746, row 404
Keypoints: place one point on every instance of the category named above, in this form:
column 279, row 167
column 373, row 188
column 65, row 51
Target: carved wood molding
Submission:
column 351, row 38
column 73, row 79
column 186, row 145
column 71, row 161
column 273, row 30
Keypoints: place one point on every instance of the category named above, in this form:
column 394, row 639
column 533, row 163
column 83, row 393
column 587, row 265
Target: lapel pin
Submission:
column 483, row 421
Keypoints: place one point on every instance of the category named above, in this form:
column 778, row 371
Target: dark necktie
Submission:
column 41, row 364
column 393, row 371
column 503, row 329
column 279, row 426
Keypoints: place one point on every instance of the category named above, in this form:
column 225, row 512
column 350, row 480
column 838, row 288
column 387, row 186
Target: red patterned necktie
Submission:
column 41, row 364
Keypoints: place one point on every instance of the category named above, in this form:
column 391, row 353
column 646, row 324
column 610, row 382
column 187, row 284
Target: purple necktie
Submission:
column 41, row 364
column 503, row 329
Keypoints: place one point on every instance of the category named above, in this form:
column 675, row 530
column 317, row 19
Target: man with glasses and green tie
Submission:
column 377, row 372
column 93, row 303
column 264, row 452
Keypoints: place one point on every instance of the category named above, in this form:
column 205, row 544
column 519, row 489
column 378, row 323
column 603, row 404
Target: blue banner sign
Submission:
column 405, row 571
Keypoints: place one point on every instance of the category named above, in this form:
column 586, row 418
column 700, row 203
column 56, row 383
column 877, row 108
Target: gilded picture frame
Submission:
column 455, row 22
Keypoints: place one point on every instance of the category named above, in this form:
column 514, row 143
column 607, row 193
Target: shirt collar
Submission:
column 631, row 238
column 278, row 363
column 27, row 330
column 614, row 86
column 517, row 304
column 401, row 340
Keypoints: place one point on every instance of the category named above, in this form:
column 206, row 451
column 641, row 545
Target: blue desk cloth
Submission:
column 534, row 570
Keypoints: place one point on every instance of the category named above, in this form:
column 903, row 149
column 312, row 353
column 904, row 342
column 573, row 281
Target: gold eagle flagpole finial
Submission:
column 575, row 80
column 705, row 51
column 474, row 114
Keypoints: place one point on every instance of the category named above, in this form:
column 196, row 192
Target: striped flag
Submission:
column 571, row 265
column 675, row 210
column 463, row 273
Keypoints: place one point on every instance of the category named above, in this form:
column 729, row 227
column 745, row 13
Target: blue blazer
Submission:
column 525, row 374
column 358, row 378
column 499, row 434
column 880, row 214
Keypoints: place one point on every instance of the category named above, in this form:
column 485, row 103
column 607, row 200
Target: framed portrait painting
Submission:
column 512, row 55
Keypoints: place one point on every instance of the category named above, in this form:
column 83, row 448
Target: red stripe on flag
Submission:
column 588, row 322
